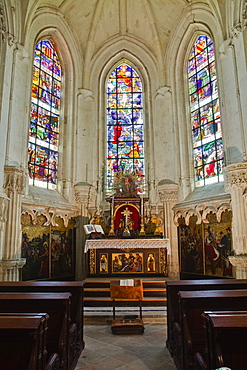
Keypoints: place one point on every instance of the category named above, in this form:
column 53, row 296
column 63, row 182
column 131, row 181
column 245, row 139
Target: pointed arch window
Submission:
column 125, row 127
column 44, row 116
column 205, row 113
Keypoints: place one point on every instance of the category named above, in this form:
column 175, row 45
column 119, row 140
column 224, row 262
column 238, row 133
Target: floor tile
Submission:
column 107, row 351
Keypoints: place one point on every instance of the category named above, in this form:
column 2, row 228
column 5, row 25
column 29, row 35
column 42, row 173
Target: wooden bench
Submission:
column 57, row 305
column 174, row 286
column 190, row 336
column 23, row 344
column 42, row 337
column 76, row 288
column 226, row 339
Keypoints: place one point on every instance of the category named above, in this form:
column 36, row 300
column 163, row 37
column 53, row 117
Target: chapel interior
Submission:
column 108, row 103
column 123, row 135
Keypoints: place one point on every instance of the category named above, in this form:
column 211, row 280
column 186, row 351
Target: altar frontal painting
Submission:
column 127, row 262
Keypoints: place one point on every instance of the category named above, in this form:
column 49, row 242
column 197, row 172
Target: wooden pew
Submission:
column 57, row 305
column 76, row 288
column 42, row 335
column 172, row 289
column 192, row 305
column 226, row 339
column 22, row 343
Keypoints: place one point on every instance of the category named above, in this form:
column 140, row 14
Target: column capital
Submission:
column 236, row 175
column 84, row 196
column 15, row 179
column 168, row 192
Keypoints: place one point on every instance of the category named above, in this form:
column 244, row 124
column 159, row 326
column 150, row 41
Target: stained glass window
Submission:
column 125, row 129
column 205, row 113
column 44, row 117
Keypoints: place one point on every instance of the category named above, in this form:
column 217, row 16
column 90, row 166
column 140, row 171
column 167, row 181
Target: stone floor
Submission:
column 107, row 351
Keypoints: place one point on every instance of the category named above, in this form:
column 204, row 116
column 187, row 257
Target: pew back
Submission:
column 226, row 339
column 42, row 339
column 76, row 288
column 192, row 305
column 21, row 342
column 174, row 286
column 57, row 305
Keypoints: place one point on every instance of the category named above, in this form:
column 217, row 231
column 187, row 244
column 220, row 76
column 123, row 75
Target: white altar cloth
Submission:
column 126, row 243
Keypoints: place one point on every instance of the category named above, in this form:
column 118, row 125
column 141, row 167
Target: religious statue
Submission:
column 126, row 185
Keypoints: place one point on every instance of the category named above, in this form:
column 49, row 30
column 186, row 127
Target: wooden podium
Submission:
column 121, row 291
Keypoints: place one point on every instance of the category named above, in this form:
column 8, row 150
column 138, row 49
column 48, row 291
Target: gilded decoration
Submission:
column 92, row 261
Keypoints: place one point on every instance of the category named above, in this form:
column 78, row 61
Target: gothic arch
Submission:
column 146, row 68
column 196, row 21
column 46, row 23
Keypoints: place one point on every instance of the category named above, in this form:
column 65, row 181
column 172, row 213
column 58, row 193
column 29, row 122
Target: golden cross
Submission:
column 126, row 213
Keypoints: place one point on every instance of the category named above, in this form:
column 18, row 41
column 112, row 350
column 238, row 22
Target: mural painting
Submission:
column 205, row 248
column 49, row 250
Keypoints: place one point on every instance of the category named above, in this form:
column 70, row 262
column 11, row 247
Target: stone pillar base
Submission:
column 240, row 266
column 10, row 270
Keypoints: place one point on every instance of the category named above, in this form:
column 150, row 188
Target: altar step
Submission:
column 97, row 293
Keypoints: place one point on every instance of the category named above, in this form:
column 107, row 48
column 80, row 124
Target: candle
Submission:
column 157, row 199
column 142, row 206
column 112, row 208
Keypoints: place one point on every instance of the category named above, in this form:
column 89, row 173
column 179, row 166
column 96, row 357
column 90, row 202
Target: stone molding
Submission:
column 236, row 30
column 15, row 180
column 201, row 212
column 240, row 265
column 236, row 182
column 50, row 214
column 4, row 201
column 245, row 14
column 236, row 175
column 85, row 195
column 9, row 264
column 2, row 23
column 168, row 193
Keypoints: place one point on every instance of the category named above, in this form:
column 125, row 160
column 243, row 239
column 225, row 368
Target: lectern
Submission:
column 127, row 290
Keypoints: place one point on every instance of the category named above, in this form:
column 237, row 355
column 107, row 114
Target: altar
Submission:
column 127, row 256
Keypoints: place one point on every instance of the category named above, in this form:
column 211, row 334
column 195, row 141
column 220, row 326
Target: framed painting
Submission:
column 127, row 262
column 103, row 261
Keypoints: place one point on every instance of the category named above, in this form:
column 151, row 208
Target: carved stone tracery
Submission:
column 201, row 212
column 50, row 213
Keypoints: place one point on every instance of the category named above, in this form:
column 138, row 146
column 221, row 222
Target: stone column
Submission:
column 83, row 196
column 236, row 183
column 11, row 261
column 4, row 202
column 168, row 194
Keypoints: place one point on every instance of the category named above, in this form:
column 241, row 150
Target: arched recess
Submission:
column 196, row 21
column 104, row 61
column 46, row 23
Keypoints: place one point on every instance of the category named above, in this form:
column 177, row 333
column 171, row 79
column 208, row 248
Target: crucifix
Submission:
column 126, row 213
